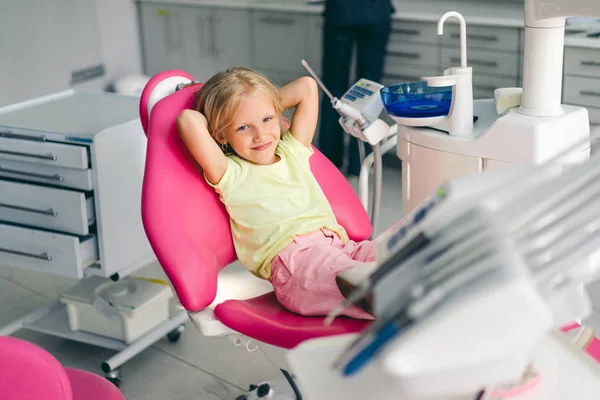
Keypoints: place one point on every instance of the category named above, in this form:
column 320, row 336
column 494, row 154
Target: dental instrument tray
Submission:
column 416, row 100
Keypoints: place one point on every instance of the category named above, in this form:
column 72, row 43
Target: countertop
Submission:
column 475, row 12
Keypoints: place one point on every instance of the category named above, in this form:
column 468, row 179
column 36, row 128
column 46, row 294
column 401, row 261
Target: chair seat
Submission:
column 88, row 386
column 264, row 319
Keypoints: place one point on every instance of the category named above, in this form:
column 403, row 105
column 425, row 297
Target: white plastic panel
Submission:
column 39, row 152
column 57, row 176
column 40, row 206
column 424, row 169
column 49, row 252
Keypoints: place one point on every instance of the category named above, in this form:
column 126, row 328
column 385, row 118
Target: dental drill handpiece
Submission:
column 345, row 110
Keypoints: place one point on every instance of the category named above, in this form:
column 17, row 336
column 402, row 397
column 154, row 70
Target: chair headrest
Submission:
column 160, row 86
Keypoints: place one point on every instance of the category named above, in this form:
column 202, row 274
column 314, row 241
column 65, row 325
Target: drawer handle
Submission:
column 589, row 93
column 485, row 38
column 402, row 54
column 277, row 21
column 482, row 63
column 44, row 256
column 50, row 156
column 49, row 211
column 590, row 63
column 485, row 87
column 11, row 135
column 411, row 32
column 55, row 177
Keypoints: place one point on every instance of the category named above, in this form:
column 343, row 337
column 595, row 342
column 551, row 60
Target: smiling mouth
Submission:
column 262, row 147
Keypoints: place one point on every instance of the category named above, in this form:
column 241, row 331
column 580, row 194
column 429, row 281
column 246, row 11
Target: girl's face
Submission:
column 254, row 132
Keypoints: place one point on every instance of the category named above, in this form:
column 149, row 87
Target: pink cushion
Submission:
column 265, row 320
column 88, row 386
column 28, row 372
column 186, row 224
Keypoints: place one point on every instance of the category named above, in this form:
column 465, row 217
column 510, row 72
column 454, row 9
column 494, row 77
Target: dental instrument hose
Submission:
column 377, row 192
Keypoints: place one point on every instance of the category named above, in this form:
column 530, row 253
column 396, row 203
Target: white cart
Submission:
column 71, row 172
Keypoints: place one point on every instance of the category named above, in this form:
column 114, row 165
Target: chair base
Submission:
column 276, row 389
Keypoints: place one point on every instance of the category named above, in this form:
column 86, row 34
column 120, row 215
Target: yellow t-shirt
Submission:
column 269, row 205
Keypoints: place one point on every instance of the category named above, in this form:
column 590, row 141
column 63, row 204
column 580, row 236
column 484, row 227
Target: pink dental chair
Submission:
column 188, row 228
column 28, row 372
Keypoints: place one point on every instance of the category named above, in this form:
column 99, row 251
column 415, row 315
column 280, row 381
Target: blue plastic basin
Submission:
column 416, row 100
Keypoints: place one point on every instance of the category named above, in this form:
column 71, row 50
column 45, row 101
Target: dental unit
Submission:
column 496, row 244
column 465, row 310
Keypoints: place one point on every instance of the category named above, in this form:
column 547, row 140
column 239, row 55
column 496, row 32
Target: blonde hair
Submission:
column 219, row 98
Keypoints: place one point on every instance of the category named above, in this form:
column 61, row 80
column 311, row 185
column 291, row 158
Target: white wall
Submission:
column 42, row 42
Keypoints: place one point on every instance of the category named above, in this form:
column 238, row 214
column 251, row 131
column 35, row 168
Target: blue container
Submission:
column 416, row 100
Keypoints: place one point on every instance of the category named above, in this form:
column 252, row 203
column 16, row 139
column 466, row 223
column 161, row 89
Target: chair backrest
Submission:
column 186, row 223
column 28, row 372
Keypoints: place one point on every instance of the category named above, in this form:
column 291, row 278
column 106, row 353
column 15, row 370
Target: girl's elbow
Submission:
column 311, row 85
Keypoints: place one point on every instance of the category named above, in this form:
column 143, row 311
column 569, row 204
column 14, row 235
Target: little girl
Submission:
column 283, row 227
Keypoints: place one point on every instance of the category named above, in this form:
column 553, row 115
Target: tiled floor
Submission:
column 196, row 367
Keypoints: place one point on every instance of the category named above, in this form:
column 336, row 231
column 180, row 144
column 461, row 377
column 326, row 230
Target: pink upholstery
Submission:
column 188, row 227
column 277, row 325
column 28, row 372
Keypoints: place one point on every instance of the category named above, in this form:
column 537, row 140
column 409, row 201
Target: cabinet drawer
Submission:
column 485, row 85
column 583, row 62
column 400, row 55
column 419, row 32
column 407, row 74
column 44, row 207
column 67, row 177
column 483, row 61
column 59, row 254
column 582, row 91
column 41, row 152
column 279, row 43
column 484, row 37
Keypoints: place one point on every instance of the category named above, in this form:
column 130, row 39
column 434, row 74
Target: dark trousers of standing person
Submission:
column 338, row 42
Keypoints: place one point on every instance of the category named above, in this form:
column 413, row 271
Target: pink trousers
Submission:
column 303, row 274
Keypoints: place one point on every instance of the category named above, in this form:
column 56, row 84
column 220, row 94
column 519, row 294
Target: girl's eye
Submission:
column 242, row 128
column 267, row 119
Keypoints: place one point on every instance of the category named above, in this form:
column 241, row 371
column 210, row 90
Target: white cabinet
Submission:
column 232, row 39
column 581, row 82
column 198, row 39
column 279, row 41
column 313, row 49
column 71, row 169
column 162, row 36
column 54, row 222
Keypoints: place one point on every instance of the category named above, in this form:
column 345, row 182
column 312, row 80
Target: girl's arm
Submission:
column 303, row 94
column 193, row 130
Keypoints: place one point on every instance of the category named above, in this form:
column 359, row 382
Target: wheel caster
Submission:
column 175, row 334
column 114, row 377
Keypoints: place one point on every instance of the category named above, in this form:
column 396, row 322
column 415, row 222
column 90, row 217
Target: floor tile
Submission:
column 156, row 375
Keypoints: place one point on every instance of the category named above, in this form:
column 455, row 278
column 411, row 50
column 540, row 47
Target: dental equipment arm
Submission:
column 544, row 42
column 359, row 112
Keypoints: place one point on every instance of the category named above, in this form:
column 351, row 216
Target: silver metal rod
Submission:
column 43, row 256
column 144, row 342
column 55, row 177
column 49, row 211
column 50, row 156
